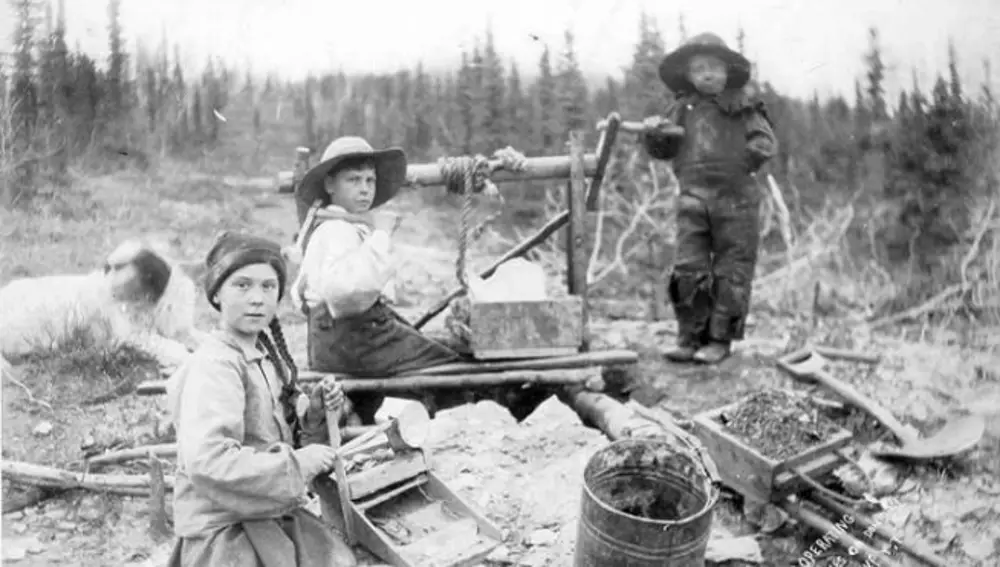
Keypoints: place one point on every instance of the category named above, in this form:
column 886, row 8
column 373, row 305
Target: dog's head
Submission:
column 137, row 272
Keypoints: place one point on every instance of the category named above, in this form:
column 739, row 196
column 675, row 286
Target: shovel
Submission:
column 957, row 436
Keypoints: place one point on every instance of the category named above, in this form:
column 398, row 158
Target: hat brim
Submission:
column 673, row 68
column 390, row 176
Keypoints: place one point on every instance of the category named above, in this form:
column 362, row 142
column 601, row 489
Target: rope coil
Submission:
column 468, row 176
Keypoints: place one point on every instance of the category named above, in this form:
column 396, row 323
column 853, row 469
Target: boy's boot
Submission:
column 713, row 353
column 683, row 351
column 691, row 300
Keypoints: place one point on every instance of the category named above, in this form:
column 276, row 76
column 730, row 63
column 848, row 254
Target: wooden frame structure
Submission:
column 585, row 174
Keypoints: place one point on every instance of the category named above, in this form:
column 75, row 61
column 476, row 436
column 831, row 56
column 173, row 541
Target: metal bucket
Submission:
column 646, row 502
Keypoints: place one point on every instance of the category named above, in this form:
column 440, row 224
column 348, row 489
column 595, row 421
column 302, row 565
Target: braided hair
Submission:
column 277, row 351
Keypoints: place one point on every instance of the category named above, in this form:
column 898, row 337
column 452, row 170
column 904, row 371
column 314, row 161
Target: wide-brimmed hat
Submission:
column 390, row 172
column 674, row 67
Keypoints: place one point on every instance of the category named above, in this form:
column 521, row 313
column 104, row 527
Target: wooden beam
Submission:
column 576, row 241
column 401, row 384
column 605, row 149
column 535, row 168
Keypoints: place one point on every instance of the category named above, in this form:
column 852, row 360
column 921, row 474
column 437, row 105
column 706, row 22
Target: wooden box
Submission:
column 525, row 329
column 756, row 476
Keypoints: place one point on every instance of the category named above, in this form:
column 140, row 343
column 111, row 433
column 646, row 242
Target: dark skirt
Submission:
column 297, row 539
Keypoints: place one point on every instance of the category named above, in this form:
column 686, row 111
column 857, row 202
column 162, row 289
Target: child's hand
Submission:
column 661, row 125
column 333, row 394
column 315, row 459
column 327, row 395
column 387, row 222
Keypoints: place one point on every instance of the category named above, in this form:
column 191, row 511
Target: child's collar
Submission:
column 251, row 354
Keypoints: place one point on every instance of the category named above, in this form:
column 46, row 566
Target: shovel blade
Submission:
column 956, row 437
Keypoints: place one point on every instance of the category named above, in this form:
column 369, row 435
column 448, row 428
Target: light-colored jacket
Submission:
column 346, row 265
column 235, row 459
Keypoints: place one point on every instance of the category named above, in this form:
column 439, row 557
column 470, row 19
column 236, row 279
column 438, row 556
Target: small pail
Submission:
column 646, row 502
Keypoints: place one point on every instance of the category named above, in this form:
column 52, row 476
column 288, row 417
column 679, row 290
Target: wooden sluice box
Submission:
column 495, row 330
column 386, row 498
column 753, row 474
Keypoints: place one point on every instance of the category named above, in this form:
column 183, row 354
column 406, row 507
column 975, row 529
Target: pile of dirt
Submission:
column 778, row 423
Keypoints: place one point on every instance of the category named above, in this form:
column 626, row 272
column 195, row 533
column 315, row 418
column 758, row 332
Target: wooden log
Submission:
column 519, row 249
column 535, row 168
column 411, row 383
column 607, row 415
column 50, row 477
column 576, row 241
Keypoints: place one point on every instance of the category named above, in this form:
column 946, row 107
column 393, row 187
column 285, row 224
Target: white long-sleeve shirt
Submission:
column 346, row 265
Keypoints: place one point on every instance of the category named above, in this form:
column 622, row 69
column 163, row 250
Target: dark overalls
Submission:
column 727, row 138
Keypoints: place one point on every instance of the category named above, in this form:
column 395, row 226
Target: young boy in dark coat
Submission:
column 717, row 137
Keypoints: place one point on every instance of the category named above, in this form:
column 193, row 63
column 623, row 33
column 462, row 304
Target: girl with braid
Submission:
column 245, row 456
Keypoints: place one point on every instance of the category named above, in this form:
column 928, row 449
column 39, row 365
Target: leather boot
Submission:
column 683, row 351
column 712, row 353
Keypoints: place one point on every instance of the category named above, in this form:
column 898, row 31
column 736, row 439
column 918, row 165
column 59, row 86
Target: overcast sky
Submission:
column 799, row 45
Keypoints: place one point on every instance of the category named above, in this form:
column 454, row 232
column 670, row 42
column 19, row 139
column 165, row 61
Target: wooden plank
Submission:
column 390, row 494
column 837, row 441
column 515, row 325
column 438, row 490
column 576, row 243
column 507, row 354
column 404, row 467
column 438, row 547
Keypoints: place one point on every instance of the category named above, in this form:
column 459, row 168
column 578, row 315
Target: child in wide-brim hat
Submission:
column 346, row 283
column 717, row 136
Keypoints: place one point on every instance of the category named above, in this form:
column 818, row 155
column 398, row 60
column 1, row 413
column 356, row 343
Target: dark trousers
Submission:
column 379, row 343
column 718, row 234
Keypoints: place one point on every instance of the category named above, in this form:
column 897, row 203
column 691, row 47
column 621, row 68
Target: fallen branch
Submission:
column 49, row 477
column 929, row 306
column 27, row 392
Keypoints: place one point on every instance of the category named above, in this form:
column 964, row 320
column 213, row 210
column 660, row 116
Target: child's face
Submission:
column 708, row 74
column 352, row 188
column 248, row 299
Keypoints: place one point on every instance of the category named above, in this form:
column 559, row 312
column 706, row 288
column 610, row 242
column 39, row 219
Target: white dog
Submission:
column 139, row 298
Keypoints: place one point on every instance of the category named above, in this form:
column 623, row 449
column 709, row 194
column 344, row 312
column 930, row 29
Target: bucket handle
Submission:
column 692, row 443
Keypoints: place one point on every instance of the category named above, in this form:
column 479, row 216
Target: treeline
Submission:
column 923, row 164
